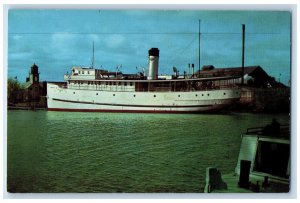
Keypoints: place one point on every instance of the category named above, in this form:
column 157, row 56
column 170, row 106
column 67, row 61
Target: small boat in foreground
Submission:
column 263, row 163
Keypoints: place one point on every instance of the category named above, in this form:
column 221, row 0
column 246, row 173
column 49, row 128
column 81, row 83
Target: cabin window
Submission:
column 88, row 72
column 224, row 93
column 179, row 95
column 202, row 95
column 131, row 84
column 134, row 95
column 196, row 95
column 96, row 93
column 125, row 83
column 114, row 83
column 79, row 72
column 119, row 83
column 154, row 95
column 114, row 95
column 82, row 72
column 207, row 94
column 73, row 92
column 272, row 158
column 106, row 83
column 88, row 82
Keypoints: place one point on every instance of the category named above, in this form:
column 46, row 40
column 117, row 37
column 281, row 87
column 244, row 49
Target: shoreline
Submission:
column 24, row 108
column 221, row 112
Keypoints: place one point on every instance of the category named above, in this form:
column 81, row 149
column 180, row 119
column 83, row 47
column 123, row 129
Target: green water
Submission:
column 112, row 152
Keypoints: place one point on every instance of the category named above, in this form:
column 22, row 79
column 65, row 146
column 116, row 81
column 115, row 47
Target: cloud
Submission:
column 17, row 37
column 115, row 41
column 62, row 42
column 20, row 55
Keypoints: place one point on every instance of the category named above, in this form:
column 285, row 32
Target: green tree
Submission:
column 14, row 91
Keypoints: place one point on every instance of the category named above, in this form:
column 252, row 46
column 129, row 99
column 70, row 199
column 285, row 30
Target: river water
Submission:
column 118, row 152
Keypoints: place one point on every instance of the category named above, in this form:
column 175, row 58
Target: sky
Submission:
column 56, row 40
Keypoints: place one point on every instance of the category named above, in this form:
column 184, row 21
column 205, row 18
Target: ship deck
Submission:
column 255, row 185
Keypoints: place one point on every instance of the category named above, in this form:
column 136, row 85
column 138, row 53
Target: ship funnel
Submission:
column 153, row 63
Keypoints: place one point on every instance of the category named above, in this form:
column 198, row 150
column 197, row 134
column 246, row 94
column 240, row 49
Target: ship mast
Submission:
column 199, row 47
column 93, row 56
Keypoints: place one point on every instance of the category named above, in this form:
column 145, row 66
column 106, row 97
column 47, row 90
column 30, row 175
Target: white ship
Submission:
column 95, row 90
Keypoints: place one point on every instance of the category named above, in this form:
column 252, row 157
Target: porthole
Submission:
column 207, row 94
column 196, row 95
column 202, row 95
column 154, row 95
column 224, row 93
column 134, row 95
column 96, row 93
column 179, row 95
column 114, row 95
column 73, row 92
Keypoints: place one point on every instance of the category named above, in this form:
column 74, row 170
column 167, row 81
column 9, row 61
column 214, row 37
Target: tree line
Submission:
column 15, row 91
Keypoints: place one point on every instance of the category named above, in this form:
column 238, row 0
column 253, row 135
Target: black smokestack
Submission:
column 154, row 52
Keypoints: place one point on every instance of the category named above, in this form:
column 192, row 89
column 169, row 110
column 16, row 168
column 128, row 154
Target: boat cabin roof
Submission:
column 159, row 80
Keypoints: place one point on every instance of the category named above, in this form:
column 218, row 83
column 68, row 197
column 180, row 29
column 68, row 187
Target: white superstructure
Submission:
column 89, row 89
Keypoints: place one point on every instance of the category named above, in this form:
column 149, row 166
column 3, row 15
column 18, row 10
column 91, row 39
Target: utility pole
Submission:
column 199, row 46
column 243, row 53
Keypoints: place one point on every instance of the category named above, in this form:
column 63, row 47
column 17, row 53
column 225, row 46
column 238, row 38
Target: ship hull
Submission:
column 75, row 100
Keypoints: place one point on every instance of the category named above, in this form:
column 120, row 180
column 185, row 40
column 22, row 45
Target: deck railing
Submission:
column 284, row 130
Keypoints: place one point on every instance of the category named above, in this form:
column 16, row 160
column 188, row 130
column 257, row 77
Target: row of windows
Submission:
column 104, row 83
column 82, row 72
column 155, row 95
